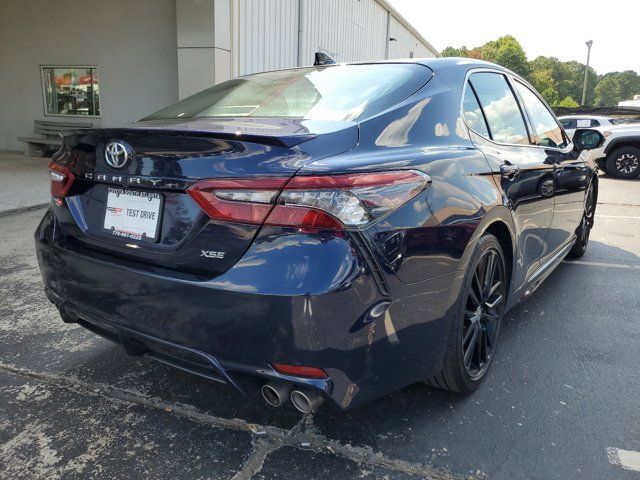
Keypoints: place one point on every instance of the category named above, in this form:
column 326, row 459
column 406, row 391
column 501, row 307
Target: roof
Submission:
column 439, row 63
column 447, row 62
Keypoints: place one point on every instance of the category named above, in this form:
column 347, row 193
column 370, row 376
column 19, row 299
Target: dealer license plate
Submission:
column 133, row 214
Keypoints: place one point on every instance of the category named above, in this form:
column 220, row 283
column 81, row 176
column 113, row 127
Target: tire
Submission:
column 475, row 319
column 624, row 162
column 586, row 223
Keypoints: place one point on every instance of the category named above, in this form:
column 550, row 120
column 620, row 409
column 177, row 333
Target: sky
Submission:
column 558, row 28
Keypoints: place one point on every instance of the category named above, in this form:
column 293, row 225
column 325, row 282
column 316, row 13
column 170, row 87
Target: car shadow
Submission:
column 389, row 422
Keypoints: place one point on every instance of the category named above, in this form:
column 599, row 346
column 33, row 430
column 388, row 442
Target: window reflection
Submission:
column 343, row 92
column 71, row 91
column 500, row 108
column 546, row 128
column 473, row 113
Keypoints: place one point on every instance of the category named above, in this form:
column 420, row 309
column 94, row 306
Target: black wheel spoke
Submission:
column 483, row 309
column 471, row 348
column 480, row 354
column 479, row 276
column 468, row 335
column 474, row 298
column 488, row 274
column 485, row 345
column 495, row 287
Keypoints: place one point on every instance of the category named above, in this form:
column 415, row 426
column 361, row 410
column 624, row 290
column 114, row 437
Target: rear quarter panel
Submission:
column 431, row 235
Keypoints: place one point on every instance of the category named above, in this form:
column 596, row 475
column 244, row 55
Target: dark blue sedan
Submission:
column 330, row 233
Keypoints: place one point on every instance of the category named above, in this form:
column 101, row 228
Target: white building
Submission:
column 631, row 103
column 111, row 62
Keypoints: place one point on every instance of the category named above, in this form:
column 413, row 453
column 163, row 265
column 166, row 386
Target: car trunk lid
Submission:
column 142, row 212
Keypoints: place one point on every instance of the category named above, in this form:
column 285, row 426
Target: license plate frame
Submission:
column 126, row 200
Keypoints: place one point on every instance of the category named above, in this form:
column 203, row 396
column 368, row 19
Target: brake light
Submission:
column 61, row 179
column 355, row 199
column 243, row 201
column 297, row 371
column 319, row 202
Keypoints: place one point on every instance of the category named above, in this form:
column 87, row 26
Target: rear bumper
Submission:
column 232, row 328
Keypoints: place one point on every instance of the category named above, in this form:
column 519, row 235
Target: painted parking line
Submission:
column 627, row 459
column 602, row 264
column 621, row 217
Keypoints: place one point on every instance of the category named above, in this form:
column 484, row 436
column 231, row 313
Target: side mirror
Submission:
column 587, row 139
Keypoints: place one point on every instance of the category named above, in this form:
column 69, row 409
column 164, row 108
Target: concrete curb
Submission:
column 15, row 211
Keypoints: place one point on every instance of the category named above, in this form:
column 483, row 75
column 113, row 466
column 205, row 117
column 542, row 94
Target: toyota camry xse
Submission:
column 327, row 233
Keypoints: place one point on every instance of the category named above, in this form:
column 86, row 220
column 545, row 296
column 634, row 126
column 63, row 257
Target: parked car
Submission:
column 573, row 122
column 619, row 156
column 331, row 233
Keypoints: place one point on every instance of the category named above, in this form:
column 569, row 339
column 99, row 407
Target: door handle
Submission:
column 508, row 170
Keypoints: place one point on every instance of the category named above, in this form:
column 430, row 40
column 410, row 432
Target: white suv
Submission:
column 571, row 122
column 620, row 154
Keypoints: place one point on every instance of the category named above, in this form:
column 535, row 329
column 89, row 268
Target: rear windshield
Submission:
column 342, row 92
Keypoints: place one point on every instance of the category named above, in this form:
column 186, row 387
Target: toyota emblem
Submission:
column 117, row 154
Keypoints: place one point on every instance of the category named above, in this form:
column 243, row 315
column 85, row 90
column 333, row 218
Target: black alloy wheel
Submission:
column 473, row 336
column 483, row 310
column 584, row 230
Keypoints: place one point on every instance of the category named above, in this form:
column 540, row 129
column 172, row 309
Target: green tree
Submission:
column 607, row 91
column 616, row 86
column 508, row 52
column 568, row 77
column 560, row 83
column 629, row 84
column 505, row 51
column 568, row 102
column 543, row 81
column 455, row 52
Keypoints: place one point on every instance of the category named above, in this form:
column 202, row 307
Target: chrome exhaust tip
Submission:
column 306, row 401
column 275, row 394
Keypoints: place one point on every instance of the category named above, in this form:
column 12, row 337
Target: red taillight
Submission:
column 308, row 218
column 297, row 371
column 61, row 179
column 319, row 202
column 242, row 200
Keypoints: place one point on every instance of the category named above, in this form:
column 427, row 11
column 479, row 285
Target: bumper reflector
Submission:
column 297, row 371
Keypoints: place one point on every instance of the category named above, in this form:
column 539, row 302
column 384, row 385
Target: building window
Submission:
column 71, row 91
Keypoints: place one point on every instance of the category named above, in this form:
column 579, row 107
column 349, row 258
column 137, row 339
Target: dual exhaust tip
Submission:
column 305, row 401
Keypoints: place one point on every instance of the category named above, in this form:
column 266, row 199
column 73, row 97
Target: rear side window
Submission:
column 568, row 124
column 586, row 123
column 500, row 108
column 472, row 112
column 548, row 132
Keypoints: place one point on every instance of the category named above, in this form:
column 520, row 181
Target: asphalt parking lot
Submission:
column 563, row 395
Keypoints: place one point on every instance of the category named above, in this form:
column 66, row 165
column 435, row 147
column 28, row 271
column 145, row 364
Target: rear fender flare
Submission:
column 499, row 215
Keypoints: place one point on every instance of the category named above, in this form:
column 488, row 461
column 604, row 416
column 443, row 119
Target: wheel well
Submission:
column 623, row 143
column 501, row 232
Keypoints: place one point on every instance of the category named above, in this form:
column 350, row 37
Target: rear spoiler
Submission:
column 278, row 140
column 287, row 140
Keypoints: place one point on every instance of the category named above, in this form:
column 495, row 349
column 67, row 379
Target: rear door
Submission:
column 521, row 169
column 570, row 172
